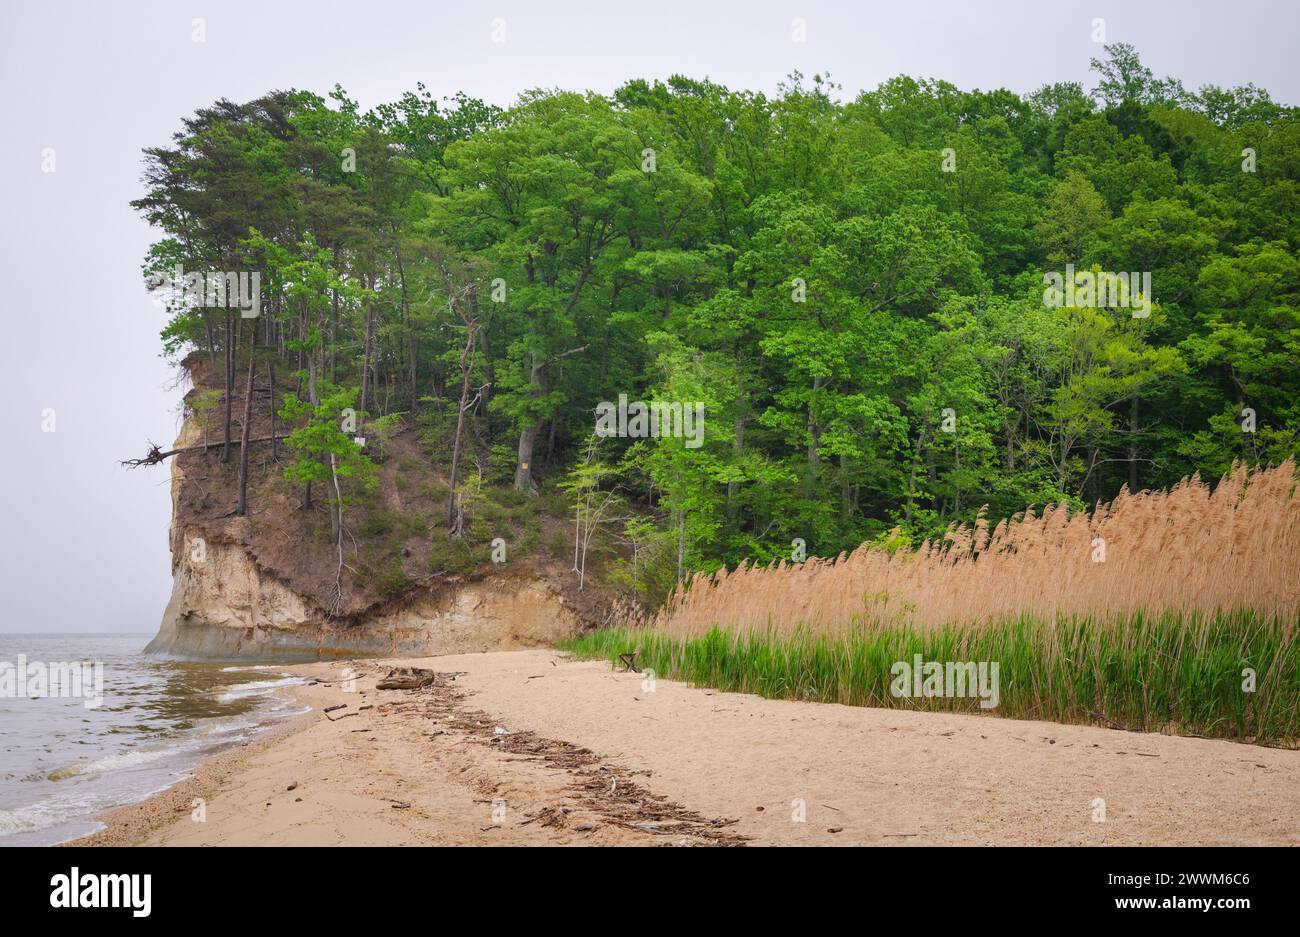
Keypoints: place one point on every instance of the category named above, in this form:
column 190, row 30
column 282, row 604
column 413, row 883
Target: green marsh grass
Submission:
column 1174, row 672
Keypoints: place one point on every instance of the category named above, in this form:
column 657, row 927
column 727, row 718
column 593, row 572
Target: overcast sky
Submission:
column 84, row 545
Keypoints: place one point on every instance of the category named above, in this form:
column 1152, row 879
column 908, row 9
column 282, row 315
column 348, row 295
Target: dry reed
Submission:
column 1188, row 549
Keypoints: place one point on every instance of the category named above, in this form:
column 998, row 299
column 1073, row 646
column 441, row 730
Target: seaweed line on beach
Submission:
column 605, row 789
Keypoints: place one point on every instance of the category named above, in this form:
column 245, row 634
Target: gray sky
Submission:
column 85, row 546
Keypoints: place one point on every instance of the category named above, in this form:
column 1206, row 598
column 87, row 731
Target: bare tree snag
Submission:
column 156, row 454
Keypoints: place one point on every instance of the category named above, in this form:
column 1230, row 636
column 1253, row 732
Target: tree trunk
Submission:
column 365, row 357
column 466, row 366
column 550, row 442
column 312, row 357
column 212, row 342
column 528, row 433
column 737, row 447
column 302, row 340
column 814, row 444
column 410, row 330
column 846, row 504
column 680, row 510
column 1133, row 447
column 956, row 488
column 910, row 509
column 334, row 327
column 245, row 429
column 523, row 470
column 270, row 377
column 337, row 517
column 225, row 438
column 230, row 386
column 485, row 356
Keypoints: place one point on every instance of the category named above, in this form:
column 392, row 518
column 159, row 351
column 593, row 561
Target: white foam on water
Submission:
column 17, row 821
column 131, row 759
column 229, row 694
column 225, row 727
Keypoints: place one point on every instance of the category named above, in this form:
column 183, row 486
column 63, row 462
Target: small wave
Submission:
column 18, row 821
column 244, row 667
column 110, row 763
column 225, row 726
column 229, row 694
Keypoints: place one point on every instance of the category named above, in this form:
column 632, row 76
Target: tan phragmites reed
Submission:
column 1191, row 548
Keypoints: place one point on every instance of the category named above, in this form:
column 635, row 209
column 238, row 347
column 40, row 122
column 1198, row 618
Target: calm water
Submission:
column 61, row 763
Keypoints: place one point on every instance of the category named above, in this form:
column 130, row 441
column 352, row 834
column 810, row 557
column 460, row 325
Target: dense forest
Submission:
column 857, row 290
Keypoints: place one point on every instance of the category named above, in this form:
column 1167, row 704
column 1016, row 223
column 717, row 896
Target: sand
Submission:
column 531, row 748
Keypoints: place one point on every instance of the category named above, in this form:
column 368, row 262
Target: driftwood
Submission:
column 156, row 454
column 406, row 678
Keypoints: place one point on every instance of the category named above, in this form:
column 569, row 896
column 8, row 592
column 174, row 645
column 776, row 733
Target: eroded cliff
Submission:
column 255, row 587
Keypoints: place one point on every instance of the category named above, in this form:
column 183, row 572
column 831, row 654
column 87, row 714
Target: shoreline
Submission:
column 130, row 824
column 534, row 748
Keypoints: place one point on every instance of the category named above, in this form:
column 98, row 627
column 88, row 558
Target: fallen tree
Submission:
column 156, row 454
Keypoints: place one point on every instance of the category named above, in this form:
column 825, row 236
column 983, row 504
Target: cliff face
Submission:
column 223, row 606
column 233, row 592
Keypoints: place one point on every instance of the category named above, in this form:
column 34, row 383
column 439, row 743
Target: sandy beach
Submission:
column 532, row 748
